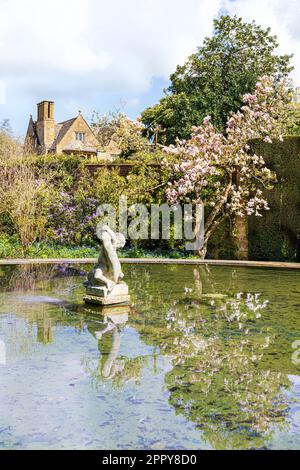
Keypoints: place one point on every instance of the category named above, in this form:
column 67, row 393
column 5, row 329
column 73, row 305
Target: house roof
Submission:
column 79, row 147
column 60, row 131
column 32, row 130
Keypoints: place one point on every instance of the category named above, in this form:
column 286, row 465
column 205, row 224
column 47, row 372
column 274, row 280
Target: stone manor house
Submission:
column 73, row 136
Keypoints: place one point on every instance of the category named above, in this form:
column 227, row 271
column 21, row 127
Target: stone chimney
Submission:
column 45, row 125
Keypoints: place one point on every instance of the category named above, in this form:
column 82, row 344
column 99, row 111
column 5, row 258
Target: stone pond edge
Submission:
column 211, row 262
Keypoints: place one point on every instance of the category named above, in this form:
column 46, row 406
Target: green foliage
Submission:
column 10, row 148
column 222, row 244
column 293, row 120
column 24, row 202
column 63, row 170
column 30, row 189
column 10, row 247
column 68, row 163
column 176, row 113
column 152, row 154
column 276, row 236
column 214, row 79
column 66, row 179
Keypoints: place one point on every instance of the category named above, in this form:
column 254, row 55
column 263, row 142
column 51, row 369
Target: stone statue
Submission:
column 104, row 284
column 108, row 270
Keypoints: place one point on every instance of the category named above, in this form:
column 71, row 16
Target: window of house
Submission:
column 80, row 136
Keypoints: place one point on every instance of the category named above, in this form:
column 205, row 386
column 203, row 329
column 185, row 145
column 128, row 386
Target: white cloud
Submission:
column 2, row 92
column 74, row 52
column 68, row 44
column 77, row 52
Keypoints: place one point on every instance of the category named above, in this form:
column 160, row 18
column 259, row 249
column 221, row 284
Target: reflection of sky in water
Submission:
column 291, row 439
column 163, row 365
column 51, row 402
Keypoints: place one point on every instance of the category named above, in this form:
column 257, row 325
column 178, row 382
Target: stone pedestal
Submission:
column 102, row 296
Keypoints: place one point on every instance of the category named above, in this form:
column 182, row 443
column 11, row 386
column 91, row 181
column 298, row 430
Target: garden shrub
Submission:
column 276, row 236
column 68, row 193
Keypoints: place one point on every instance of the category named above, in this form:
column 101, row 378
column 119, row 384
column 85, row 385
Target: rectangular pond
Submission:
column 204, row 358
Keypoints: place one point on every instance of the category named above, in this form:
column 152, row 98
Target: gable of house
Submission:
column 76, row 135
column 31, row 141
column 71, row 136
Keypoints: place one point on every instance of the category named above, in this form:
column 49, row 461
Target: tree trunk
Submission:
column 241, row 229
column 202, row 251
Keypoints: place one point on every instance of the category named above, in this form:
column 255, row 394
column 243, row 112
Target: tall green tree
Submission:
column 214, row 79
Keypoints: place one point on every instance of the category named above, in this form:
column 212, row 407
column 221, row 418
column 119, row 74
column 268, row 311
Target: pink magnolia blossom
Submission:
column 218, row 169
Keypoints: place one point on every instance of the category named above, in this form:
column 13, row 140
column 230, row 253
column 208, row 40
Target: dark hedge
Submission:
column 276, row 235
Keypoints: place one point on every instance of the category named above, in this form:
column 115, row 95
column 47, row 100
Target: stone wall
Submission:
column 123, row 168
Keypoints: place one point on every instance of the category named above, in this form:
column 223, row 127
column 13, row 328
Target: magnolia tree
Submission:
column 129, row 136
column 120, row 131
column 218, row 170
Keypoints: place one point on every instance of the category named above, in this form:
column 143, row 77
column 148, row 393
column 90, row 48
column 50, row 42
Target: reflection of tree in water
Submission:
column 111, row 366
column 24, row 277
column 37, row 316
column 214, row 337
column 220, row 387
column 28, row 276
column 216, row 345
column 33, row 316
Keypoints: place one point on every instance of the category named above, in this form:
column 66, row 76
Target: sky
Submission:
column 101, row 55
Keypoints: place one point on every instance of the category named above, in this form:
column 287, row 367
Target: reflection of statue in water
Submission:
column 104, row 284
column 109, row 336
column 112, row 366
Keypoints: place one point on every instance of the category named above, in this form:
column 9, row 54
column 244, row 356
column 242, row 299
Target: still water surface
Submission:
column 205, row 358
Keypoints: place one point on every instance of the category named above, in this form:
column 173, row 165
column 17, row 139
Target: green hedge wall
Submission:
column 276, row 235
